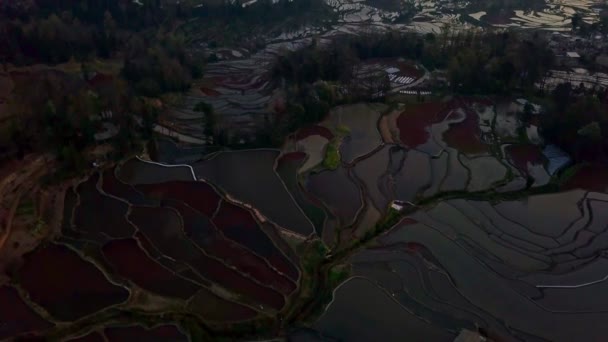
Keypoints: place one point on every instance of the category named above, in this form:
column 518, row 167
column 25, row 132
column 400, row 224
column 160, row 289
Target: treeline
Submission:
column 52, row 32
column 497, row 6
column 477, row 61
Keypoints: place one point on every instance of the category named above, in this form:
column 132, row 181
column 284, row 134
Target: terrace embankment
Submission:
column 423, row 222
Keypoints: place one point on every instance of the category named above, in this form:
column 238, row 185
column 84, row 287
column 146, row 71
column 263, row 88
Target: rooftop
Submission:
column 573, row 54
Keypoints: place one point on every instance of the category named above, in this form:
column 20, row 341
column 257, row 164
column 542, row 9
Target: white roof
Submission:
column 573, row 54
column 580, row 71
column 397, row 206
column 392, row 70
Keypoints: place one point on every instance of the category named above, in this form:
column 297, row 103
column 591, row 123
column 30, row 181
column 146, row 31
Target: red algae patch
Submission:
column 209, row 91
column 16, row 317
column 308, row 131
column 521, row 155
column 415, row 121
column 162, row 333
column 113, row 186
column 199, row 195
column 163, row 227
column 292, row 156
column 66, row 285
column 239, row 225
column 200, row 230
column 465, row 136
column 592, row 177
column 131, row 262
column 91, row 214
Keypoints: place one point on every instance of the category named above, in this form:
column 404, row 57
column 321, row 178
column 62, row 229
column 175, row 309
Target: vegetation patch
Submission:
column 331, row 160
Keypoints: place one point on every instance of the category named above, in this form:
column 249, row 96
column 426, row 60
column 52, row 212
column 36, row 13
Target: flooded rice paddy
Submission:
column 67, row 295
column 520, row 263
column 17, row 317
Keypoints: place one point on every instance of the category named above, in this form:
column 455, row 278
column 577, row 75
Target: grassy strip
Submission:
column 332, row 155
column 332, row 158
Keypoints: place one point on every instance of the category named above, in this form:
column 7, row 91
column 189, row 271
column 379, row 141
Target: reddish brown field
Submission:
column 98, row 213
column 239, row 225
column 163, row 228
column 199, row 195
column 414, row 123
column 292, row 156
column 305, row 132
column 168, row 333
column 521, row 155
column 592, row 177
column 67, row 295
column 168, row 263
column 465, row 136
column 408, row 69
column 202, row 232
column 16, row 317
column 131, row 262
column 209, row 91
column 113, row 186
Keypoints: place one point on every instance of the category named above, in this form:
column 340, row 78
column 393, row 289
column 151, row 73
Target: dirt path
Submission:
column 8, row 222
column 19, row 181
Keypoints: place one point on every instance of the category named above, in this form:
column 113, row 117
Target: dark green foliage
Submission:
column 159, row 68
column 210, row 119
column 54, row 31
column 578, row 124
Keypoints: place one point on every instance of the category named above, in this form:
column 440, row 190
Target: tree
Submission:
column 576, row 20
column 526, row 113
column 561, row 94
column 210, row 119
column 591, row 131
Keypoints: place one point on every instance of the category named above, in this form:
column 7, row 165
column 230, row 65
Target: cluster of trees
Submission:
column 53, row 110
column 497, row 6
column 576, row 119
column 60, row 113
column 209, row 119
column 477, row 61
column 51, row 32
column 159, row 65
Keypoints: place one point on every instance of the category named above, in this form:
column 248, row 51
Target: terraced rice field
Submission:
column 539, row 266
column 177, row 242
column 544, row 250
column 250, row 177
column 472, row 249
column 164, row 333
column 239, row 86
column 67, row 296
column 17, row 316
